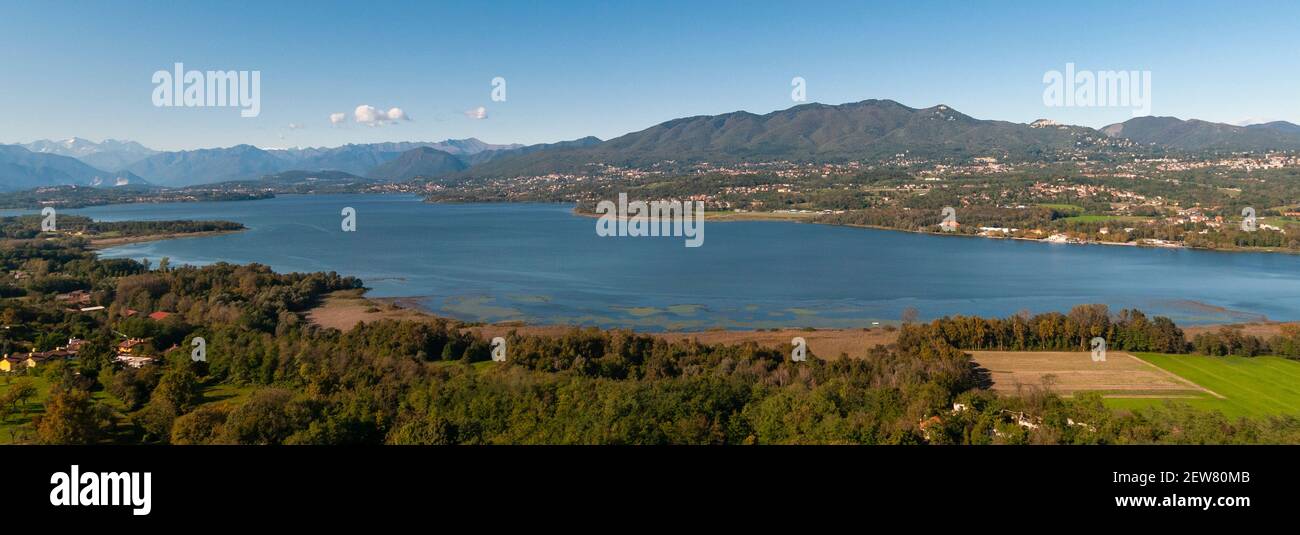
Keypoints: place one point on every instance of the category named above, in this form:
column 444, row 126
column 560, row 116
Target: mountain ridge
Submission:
column 864, row 130
column 23, row 169
column 857, row 130
column 1199, row 135
column 419, row 162
column 108, row 155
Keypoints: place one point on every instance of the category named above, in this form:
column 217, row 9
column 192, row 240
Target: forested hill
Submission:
column 860, row 130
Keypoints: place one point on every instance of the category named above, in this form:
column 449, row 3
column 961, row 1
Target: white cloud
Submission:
column 338, row 118
column 372, row 116
column 295, row 126
column 477, row 113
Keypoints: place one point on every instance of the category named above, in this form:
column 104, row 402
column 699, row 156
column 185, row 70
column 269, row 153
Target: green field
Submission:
column 11, row 425
column 1258, row 386
column 1063, row 207
column 1097, row 218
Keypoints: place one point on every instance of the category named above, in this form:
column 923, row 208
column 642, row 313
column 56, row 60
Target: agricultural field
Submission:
column 1236, row 386
column 1121, row 375
column 1248, row 386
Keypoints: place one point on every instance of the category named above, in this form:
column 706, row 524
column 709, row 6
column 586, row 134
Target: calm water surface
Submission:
column 541, row 264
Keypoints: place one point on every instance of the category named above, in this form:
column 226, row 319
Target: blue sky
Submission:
column 607, row 68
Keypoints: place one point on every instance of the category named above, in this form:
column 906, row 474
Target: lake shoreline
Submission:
column 106, row 243
column 810, row 217
column 732, row 216
column 344, row 309
column 869, row 278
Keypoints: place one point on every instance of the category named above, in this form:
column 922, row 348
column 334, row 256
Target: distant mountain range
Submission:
column 1198, row 135
column 22, row 169
column 864, row 130
column 109, row 154
column 190, row 167
column 390, row 161
column 78, row 161
column 361, row 159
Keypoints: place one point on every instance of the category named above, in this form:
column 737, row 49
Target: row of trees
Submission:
column 29, row 226
column 1232, row 341
column 1129, row 330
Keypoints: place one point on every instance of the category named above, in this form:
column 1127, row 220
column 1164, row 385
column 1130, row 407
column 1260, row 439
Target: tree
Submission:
column 203, row 426
column 72, row 417
column 20, row 391
column 178, row 387
column 177, row 392
column 96, row 357
column 155, row 419
column 132, row 385
column 267, row 417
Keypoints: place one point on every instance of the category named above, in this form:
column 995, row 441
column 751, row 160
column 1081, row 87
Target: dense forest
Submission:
column 82, row 196
column 271, row 377
column 29, row 226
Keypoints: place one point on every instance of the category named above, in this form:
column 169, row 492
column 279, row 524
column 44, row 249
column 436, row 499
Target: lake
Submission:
column 539, row 263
